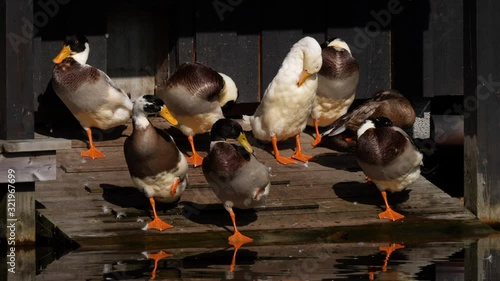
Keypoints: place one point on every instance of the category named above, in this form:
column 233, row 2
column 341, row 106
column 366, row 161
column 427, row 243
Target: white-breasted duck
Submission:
column 156, row 165
column 388, row 157
column 89, row 93
column 337, row 83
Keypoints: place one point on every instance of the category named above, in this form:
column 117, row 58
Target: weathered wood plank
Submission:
column 16, row 58
column 29, row 166
column 481, row 104
column 29, row 145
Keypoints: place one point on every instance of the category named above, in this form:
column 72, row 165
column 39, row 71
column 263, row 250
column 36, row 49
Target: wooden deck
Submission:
column 93, row 203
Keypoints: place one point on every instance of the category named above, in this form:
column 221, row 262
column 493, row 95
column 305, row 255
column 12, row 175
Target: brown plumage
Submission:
column 237, row 178
column 155, row 164
column 196, row 95
column 388, row 157
column 385, row 103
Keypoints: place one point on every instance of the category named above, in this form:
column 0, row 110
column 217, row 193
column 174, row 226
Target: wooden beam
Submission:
column 16, row 70
column 481, row 110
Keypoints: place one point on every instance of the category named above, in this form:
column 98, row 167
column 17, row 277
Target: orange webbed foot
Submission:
column 316, row 141
column 195, row 159
column 157, row 223
column 390, row 215
column 93, row 153
column 285, row 160
column 302, row 157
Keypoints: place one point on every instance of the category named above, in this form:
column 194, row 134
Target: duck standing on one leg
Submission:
column 337, row 83
column 90, row 95
column 156, row 165
column 288, row 100
column 196, row 95
column 237, row 178
column 388, row 157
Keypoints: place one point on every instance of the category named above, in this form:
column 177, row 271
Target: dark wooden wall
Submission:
column 245, row 40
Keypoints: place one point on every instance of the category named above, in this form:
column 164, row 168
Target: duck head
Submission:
column 371, row 123
column 75, row 46
column 312, row 58
column 229, row 129
column 147, row 105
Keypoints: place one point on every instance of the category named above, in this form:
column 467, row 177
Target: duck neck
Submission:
column 140, row 121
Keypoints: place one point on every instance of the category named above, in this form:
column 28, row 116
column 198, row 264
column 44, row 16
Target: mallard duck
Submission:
column 287, row 101
column 237, row 178
column 156, row 165
column 341, row 134
column 388, row 157
column 196, row 95
column 337, row 83
column 89, row 93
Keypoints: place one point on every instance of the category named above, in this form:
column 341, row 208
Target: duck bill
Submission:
column 65, row 52
column 303, row 77
column 168, row 116
column 242, row 139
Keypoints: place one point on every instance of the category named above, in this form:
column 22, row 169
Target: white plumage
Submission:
column 287, row 101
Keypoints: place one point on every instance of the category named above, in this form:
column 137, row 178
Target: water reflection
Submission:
column 444, row 261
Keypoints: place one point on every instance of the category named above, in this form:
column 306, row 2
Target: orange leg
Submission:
column 157, row 223
column 173, row 189
column 279, row 158
column 317, row 140
column 298, row 151
column 157, row 257
column 388, row 251
column 389, row 213
column 237, row 240
column 92, row 152
column 195, row 159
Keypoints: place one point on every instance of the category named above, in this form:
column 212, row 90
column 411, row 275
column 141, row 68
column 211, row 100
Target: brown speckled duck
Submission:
column 196, row 95
column 238, row 179
column 337, row 83
column 388, row 157
column 156, row 165
column 90, row 95
column 341, row 135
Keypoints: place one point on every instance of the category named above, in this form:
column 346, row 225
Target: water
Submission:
column 475, row 259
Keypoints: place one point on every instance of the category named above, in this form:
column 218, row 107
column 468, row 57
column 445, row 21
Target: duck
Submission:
column 287, row 101
column 337, row 82
column 156, row 165
column 88, row 92
column 198, row 95
column 388, row 157
column 390, row 103
column 236, row 176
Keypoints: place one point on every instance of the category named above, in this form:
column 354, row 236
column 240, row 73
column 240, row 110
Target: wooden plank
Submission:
column 16, row 58
column 131, row 41
column 406, row 38
column 278, row 37
column 29, row 166
column 443, row 47
column 227, row 40
column 366, row 28
column 482, row 192
column 34, row 145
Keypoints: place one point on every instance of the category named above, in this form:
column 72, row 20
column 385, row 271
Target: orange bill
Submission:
column 168, row 116
column 303, row 77
column 65, row 52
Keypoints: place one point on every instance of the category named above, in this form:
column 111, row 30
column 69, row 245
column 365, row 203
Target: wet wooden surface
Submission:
column 94, row 203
